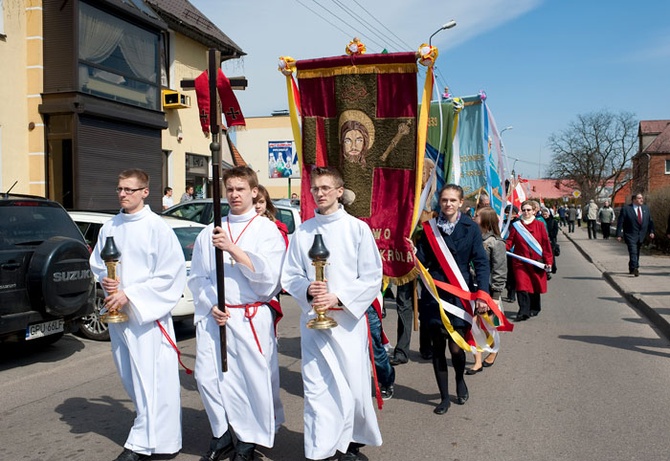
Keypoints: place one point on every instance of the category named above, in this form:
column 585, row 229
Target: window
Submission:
column 117, row 60
column 667, row 167
column 286, row 216
column 190, row 211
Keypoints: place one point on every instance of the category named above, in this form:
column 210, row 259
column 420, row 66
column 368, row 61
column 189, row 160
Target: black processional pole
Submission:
column 215, row 148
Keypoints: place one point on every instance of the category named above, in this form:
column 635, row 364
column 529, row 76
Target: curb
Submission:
column 641, row 306
column 634, row 299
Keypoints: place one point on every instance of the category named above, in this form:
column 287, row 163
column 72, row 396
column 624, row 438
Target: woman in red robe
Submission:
column 531, row 281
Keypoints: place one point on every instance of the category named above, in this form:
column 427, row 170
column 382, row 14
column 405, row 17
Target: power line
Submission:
column 367, row 24
column 381, row 24
column 319, row 15
column 369, row 30
column 367, row 37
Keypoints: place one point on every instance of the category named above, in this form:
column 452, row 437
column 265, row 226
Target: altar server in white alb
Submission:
column 339, row 413
column 151, row 279
column 244, row 399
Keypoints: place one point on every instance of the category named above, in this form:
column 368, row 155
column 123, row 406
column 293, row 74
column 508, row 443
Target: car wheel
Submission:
column 59, row 277
column 91, row 326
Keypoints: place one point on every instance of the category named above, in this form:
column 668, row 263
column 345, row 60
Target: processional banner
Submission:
column 359, row 115
column 437, row 159
column 470, row 146
column 495, row 173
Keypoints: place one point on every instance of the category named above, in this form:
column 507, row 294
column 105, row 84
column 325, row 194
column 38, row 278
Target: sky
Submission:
column 541, row 62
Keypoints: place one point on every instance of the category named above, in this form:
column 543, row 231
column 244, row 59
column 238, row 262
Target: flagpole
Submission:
column 215, row 148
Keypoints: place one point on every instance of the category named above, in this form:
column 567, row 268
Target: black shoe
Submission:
column 521, row 317
column 486, row 364
column 510, row 298
column 218, row 447
column 443, row 407
column 534, row 313
column 472, row 371
column 636, row 272
column 426, row 355
column 463, row 397
column 353, row 452
column 387, row 392
column 130, row 455
column 244, row 451
column 395, row 360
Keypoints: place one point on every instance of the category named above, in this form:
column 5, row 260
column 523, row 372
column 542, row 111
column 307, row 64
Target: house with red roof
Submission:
column 549, row 189
column 651, row 165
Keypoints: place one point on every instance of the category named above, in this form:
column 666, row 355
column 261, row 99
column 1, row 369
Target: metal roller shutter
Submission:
column 105, row 148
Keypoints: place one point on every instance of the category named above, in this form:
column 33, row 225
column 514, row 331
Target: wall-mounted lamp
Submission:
column 180, row 135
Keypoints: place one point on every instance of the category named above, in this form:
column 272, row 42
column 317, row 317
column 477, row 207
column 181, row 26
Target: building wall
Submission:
column 34, row 72
column 649, row 172
column 253, row 145
column 190, row 59
column 22, row 128
column 641, row 173
column 658, row 179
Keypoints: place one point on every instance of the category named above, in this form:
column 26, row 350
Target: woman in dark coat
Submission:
column 552, row 230
column 531, row 281
column 464, row 241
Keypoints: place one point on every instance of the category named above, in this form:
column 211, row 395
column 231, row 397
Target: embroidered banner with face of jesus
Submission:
column 359, row 115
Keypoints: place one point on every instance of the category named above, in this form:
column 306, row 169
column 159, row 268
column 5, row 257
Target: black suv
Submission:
column 46, row 283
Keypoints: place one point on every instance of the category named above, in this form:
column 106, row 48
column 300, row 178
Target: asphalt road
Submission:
column 587, row 379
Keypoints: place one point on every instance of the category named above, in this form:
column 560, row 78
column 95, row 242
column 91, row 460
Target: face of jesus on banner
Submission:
column 354, row 140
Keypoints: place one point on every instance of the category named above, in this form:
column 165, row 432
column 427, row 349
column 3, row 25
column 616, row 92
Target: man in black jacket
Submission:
column 633, row 225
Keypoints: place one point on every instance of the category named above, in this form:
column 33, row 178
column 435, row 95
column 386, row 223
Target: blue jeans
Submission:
column 385, row 372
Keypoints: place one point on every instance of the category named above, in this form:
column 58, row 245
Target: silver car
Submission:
column 202, row 211
column 89, row 223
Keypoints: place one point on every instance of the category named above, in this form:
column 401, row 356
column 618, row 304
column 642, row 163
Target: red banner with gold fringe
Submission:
column 359, row 115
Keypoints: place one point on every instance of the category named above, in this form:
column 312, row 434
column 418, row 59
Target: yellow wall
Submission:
column 189, row 62
column 21, row 148
column 253, row 145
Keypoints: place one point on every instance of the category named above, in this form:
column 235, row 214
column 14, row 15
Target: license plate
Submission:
column 39, row 330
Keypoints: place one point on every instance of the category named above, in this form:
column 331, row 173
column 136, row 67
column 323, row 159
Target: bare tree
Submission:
column 594, row 149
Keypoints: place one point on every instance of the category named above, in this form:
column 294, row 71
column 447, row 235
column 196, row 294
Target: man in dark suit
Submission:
column 633, row 225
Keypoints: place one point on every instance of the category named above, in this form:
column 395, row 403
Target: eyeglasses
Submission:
column 128, row 190
column 526, row 209
column 324, row 189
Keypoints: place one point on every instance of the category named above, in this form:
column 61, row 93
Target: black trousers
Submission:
column 591, row 228
column 528, row 302
column 510, row 283
column 605, row 226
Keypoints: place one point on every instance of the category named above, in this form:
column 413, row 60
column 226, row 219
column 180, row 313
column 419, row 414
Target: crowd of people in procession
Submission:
column 243, row 405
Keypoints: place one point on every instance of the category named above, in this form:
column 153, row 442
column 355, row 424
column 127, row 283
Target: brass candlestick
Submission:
column 110, row 254
column 319, row 256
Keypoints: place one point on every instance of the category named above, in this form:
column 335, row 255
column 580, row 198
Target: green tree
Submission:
column 594, row 149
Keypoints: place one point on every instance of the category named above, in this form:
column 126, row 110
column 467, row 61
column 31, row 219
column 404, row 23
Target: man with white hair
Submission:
column 591, row 212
